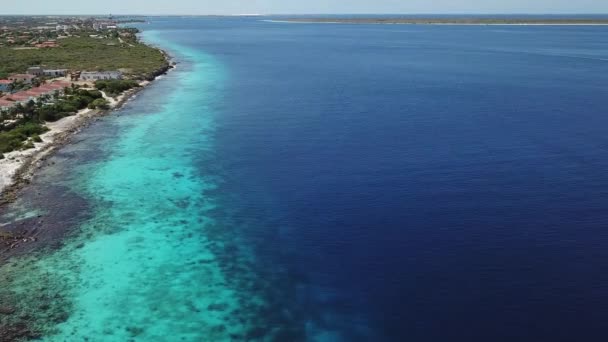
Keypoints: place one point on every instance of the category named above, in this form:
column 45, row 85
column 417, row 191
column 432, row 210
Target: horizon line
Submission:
column 298, row 14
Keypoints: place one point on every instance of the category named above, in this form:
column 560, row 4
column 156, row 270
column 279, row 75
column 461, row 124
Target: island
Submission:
column 453, row 21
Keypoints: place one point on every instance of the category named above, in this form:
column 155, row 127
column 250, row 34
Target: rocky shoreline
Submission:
column 32, row 161
column 24, row 238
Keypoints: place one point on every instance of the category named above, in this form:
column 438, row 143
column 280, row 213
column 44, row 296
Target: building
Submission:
column 25, row 96
column 5, row 86
column 20, row 97
column 25, row 78
column 6, row 104
column 55, row 72
column 48, row 44
column 103, row 25
column 36, row 71
column 100, row 75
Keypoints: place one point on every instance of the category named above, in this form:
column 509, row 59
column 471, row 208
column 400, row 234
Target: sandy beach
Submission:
column 17, row 168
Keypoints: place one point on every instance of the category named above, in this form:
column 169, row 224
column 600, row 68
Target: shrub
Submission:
column 95, row 94
column 13, row 139
column 67, row 107
column 115, row 87
column 99, row 104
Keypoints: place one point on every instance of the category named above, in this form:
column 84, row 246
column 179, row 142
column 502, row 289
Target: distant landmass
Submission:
column 457, row 21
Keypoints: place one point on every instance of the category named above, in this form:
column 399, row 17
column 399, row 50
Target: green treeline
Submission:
column 115, row 87
column 13, row 139
column 137, row 60
column 28, row 119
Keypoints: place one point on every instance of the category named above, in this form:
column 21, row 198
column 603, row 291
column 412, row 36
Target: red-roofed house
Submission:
column 46, row 88
column 20, row 97
column 40, row 90
column 5, row 104
column 49, row 44
column 34, row 92
column 25, row 78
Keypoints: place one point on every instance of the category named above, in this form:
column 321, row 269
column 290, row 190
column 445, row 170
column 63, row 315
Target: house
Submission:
column 55, row 72
column 33, row 92
column 100, row 75
column 5, row 86
column 97, row 26
column 25, row 96
column 48, row 44
column 20, row 97
column 36, row 71
column 25, row 78
column 6, row 104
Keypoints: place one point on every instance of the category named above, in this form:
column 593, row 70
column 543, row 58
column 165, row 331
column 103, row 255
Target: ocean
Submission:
column 332, row 182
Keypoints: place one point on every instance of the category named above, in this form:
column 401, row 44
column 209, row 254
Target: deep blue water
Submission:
column 432, row 183
column 429, row 182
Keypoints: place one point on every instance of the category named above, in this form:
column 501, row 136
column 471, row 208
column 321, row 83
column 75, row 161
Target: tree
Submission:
column 45, row 98
column 28, row 110
column 100, row 103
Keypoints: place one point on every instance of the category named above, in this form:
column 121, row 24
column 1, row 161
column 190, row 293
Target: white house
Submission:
column 55, row 72
column 38, row 71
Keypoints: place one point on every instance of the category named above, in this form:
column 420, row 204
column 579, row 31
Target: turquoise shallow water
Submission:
column 150, row 263
column 152, row 269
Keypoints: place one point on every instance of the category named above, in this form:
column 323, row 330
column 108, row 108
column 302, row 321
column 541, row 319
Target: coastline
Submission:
column 377, row 22
column 19, row 167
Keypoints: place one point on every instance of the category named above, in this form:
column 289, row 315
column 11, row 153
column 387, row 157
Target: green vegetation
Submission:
column 29, row 144
column 28, row 119
column 14, row 139
column 32, row 115
column 115, row 87
column 85, row 53
column 73, row 101
column 99, row 104
column 80, row 44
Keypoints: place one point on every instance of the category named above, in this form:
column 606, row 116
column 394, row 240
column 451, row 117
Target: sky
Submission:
column 200, row 7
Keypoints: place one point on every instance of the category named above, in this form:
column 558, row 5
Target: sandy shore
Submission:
column 17, row 168
column 15, row 160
